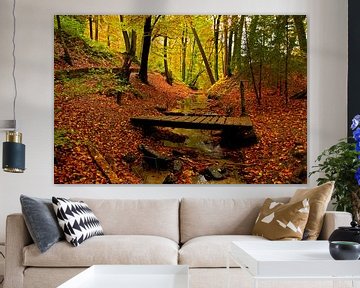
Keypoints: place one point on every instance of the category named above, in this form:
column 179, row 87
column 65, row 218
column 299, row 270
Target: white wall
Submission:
column 34, row 39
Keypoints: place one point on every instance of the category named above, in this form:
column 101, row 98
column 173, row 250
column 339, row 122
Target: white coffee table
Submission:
column 293, row 260
column 131, row 276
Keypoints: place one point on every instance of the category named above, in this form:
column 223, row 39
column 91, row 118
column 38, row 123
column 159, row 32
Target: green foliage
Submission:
column 266, row 35
column 75, row 87
column 123, row 87
column 339, row 163
column 74, row 28
column 95, row 81
column 98, row 49
column 61, row 138
column 71, row 25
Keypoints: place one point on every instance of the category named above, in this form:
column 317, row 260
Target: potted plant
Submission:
column 341, row 163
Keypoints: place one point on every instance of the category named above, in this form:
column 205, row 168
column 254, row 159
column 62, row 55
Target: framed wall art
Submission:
column 180, row 99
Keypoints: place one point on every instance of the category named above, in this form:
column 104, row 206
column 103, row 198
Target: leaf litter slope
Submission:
column 279, row 157
column 95, row 119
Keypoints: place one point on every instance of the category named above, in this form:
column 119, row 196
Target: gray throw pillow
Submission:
column 41, row 221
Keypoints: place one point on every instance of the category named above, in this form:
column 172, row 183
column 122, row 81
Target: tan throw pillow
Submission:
column 319, row 198
column 279, row 221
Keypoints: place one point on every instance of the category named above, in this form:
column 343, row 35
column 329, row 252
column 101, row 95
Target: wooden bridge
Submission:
column 194, row 122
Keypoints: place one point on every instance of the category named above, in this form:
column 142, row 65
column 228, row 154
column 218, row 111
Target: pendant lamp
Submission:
column 13, row 158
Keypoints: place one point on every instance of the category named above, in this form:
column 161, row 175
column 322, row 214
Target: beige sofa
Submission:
column 194, row 232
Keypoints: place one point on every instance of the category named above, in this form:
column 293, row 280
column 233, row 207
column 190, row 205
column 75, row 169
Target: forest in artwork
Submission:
column 180, row 99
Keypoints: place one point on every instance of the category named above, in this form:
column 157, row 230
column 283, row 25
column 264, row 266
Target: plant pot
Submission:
column 351, row 233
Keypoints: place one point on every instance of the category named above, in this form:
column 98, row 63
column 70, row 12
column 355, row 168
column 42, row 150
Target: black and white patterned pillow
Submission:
column 77, row 220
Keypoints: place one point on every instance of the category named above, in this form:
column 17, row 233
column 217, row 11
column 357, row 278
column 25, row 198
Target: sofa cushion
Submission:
column 77, row 220
column 107, row 249
column 319, row 198
column 158, row 217
column 201, row 217
column 279, row 221
column 41, row 221
column 211, row 251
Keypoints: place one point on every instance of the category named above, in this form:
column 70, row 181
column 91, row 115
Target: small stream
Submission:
column 205, row 142
column 197, row 139
column 201, row 140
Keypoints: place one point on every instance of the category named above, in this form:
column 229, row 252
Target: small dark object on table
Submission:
column 344, row 250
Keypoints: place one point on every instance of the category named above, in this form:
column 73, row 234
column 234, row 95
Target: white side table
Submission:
column 294, row 263
column 131, row 276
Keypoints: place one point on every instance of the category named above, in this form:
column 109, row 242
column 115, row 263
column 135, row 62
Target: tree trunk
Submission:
column 252, row 32
column 206, row 62
column 125, row 35
column 251, row 66
column 108, row 35
column 130, row 45
column 125, row 71
column 129, row 54
column 192, row 63
column 145, row 50
column 278, row 54
column 231, row 34
column 237, row 44
column 226, row 47
column 261, row 64
column 133, row 43
column 300, row 31
column 192, row 83
column 230, row 52
column 91, row 27
column 67, row 56
column 97, row 28
column 183, row 54
column 286, row 91
column 166, row 68
column 242, row 99
column 216, row 45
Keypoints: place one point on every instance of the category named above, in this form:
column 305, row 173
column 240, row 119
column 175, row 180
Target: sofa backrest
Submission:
column 159, row 217
column 200, row 217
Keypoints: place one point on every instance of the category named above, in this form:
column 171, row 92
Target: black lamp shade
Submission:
column 13, row 157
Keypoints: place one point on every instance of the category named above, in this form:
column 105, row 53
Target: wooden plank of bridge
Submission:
column 194, row 122
column 171, row 118
column 221, row 120
column 185, row 118
column 200, row 119
column 213, row 119
column 192, row 119
column 232, row 121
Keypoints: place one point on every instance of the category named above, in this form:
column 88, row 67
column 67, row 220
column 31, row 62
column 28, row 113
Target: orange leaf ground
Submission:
column 96, row 119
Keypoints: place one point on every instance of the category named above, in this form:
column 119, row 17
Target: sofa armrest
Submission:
column 17, row 237
column 333, row 220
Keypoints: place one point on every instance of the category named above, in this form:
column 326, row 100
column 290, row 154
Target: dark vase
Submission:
column 344, row 250
column 351, row 233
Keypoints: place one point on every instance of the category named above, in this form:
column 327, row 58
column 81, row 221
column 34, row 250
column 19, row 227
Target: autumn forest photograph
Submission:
column 180, row 99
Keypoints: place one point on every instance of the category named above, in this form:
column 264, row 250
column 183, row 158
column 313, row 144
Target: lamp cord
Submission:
column 14, row 60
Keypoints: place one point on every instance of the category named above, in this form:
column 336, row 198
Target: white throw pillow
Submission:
column 76, row 220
